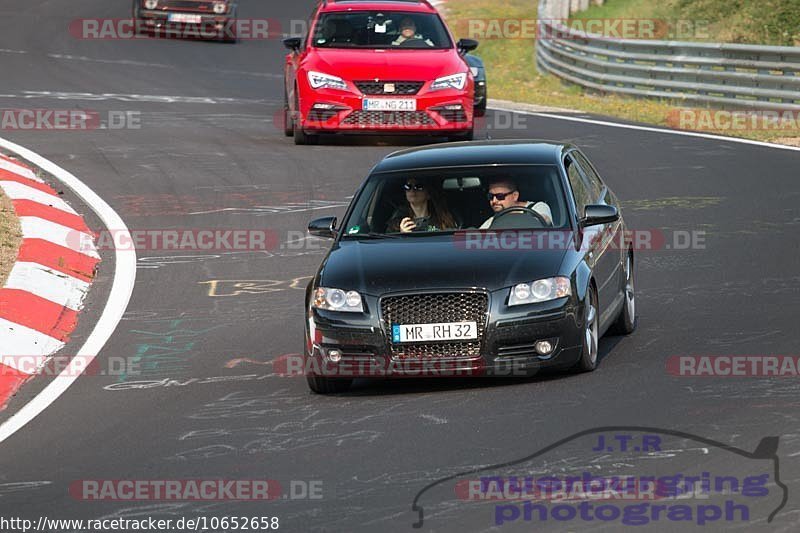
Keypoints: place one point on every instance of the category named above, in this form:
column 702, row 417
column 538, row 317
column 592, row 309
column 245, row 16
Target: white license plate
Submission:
column 446, row 331
column 186, row 19
column 389, row 104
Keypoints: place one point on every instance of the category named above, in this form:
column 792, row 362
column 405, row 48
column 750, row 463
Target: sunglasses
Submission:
column 500, row 195
column 416, row 186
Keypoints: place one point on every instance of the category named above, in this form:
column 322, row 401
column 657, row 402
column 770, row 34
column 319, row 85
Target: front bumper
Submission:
column 447, row 111
column 211, row 25
column 507, row 346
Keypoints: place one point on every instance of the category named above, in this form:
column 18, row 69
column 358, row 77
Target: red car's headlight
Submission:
column 454, row 81
column 318, row 80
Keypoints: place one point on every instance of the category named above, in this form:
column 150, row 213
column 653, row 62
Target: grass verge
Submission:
column 10, row 237
column 512, row 75
column 770, row 22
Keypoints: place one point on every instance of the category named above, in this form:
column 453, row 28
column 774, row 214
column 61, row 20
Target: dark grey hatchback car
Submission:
column 463, row 259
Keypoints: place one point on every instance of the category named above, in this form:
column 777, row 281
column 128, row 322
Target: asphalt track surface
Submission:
column 224, row 164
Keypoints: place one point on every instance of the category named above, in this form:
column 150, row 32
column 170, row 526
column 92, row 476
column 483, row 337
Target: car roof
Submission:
column 421, row 6
column 480, row 153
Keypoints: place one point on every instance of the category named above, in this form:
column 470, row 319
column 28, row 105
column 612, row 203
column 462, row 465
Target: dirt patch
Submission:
column 10, row 237
column 791, row 141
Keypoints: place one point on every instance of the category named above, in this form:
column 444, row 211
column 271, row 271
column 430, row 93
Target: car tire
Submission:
column 288, row 121
column 591, row 333
column 626, row 321
column 234, row 37
column 322, row 385
column 480, row 109
column 301, row 137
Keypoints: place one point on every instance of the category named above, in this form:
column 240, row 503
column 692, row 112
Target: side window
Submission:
column 594, row 182
column 580, row 191
column 610, row 199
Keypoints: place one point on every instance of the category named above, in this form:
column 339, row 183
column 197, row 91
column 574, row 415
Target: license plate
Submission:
column 186, row 19
column 446, row 331
column 389, row 104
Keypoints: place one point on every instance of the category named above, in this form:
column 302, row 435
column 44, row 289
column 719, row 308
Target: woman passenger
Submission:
column 425, row 210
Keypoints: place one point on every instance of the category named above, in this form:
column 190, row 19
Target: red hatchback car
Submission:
column 379, row 66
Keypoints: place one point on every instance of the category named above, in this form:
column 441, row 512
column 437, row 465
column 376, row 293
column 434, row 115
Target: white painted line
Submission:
column 21, row 171
column 648, row 128
column 20, row 191
column 19, row 340
column 118, row 298
column 39, row 228
column 51, row 285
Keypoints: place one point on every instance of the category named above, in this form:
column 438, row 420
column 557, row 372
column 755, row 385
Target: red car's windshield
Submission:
column 376, row 29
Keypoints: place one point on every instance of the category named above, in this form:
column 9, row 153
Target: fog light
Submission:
column 150, row 4
column 334, row 355
column 544, row 347
column 220, row 8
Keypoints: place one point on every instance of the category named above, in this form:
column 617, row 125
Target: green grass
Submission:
column 512, row 73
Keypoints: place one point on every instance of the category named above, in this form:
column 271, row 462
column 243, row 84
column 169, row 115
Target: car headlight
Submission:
column 541, row 290
column 338, row 300
column 474, row 71
column 455, row 81
column 318, row 80
column 220, row 7
column 150, row 4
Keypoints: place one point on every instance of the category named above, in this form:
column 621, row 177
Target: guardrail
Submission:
column 745, row 76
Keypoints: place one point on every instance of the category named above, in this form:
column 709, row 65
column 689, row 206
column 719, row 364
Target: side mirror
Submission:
column 599, row 214
column 323, row 227
column 293, row 43
column 466, row 46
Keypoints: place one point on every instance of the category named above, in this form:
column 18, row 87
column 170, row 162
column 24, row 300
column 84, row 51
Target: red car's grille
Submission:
column 400, row 87
column 388, row 118
column 186, row 5
column 433, row 309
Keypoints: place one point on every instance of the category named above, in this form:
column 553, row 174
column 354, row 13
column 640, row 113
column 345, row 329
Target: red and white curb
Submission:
column 43, row 295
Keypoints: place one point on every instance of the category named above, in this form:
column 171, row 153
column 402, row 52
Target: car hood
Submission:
column 390, row 65
column 432, row 262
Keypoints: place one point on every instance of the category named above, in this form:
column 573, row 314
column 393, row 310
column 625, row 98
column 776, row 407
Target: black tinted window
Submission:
column 457, row 198
column 593, row 181
column 580, row 188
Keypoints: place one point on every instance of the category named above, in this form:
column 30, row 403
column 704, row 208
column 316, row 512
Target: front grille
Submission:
column 389, row 118
column 432, row 309
column 186, row 5
column 404, row 88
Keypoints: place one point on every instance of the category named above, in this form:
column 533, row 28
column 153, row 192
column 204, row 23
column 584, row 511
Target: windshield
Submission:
column 439, row 201
column 376, row 29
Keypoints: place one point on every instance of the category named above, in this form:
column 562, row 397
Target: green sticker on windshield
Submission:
column 354, row 229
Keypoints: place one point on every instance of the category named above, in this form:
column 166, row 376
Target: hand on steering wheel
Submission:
column 520, row 209
column 414, row 41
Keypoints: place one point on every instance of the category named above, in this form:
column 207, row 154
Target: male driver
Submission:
column 503, row 194
column 408, row 31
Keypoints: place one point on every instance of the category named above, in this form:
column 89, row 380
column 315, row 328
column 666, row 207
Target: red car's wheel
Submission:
column 300, row 137
column 288, row 120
